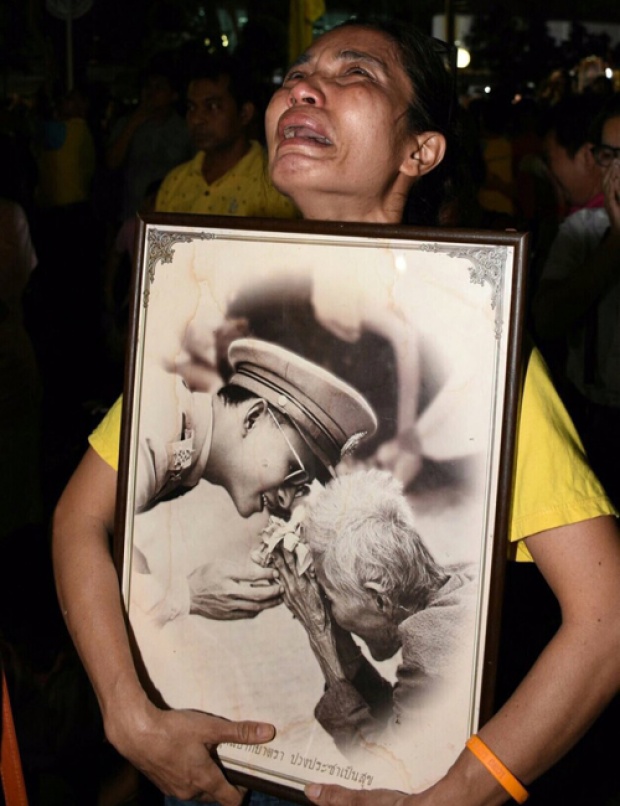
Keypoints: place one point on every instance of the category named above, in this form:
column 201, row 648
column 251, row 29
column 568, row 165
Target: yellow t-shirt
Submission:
column 553, row 483
column 245, row 190
column 66, row 171
column 106, row 438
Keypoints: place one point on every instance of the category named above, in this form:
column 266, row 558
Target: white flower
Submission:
column 289, row 536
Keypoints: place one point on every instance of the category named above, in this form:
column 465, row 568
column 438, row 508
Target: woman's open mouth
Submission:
column 306, row 134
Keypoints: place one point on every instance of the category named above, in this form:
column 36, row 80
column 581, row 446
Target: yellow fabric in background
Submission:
column 496, row 192
column 244, row 190
column 301, row 16
column 66, row 172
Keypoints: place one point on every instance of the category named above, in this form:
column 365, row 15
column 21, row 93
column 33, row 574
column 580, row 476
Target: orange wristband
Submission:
column 499, row 771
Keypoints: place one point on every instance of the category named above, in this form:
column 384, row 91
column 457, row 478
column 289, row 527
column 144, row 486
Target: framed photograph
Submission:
column 316, row 463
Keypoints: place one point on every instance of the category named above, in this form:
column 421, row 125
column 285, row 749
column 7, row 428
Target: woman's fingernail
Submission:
column 265, row 732
column 314, row 790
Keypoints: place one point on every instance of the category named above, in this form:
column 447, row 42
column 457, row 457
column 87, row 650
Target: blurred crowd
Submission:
column 79, row 165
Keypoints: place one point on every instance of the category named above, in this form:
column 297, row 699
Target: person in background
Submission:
column 567, row 149
column 578, row 300
column 498, row 191
column 576, row 182
column 147, row 143
column 66, row 155
column 67, row 237
column 20, row 385
column 228, row 175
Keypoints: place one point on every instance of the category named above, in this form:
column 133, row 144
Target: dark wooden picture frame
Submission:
column 386, row 309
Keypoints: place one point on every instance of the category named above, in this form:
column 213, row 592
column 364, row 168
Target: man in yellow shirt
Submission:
column 228, row 175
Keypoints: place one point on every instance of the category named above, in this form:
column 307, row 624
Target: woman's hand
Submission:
column 340, row 796
column 177, row 750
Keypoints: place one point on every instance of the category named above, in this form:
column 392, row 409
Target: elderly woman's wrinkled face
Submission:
column 339, row 123
column 364, row 617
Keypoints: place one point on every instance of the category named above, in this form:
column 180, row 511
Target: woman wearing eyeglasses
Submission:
column 360, row 131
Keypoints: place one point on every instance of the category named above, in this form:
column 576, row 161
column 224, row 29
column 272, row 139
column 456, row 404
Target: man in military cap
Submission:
column 279, row 422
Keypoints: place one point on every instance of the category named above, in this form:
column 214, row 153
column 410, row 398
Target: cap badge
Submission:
column 351, row 444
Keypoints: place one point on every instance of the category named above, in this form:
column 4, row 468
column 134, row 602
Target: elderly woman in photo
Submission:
column 376, row 579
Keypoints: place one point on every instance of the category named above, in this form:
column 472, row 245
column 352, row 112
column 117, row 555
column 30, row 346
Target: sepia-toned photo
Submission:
column 318, row 429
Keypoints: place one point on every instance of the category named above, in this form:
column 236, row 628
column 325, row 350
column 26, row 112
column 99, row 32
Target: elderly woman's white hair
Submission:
column 361, row 530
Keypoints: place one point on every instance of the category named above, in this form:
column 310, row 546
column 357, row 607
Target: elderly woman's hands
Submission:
column 333, row 648
column 302, row 594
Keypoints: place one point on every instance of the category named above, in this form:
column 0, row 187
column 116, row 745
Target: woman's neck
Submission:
column 332, row 207
column 359, row 214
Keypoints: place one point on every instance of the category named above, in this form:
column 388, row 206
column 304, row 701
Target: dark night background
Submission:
column 508, row 37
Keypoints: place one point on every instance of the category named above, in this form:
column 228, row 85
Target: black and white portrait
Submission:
column 316, row 424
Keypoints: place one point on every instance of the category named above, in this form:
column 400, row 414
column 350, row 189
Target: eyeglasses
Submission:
column 300, row 478
column 604, row 155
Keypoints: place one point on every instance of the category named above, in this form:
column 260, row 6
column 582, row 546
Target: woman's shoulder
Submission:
column 553, row 482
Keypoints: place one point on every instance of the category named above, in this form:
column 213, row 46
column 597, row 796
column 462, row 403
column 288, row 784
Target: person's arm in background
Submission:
column 373, row 308
column 175, row 749
column 561, row 301
column 118, row 148
column 570, row 684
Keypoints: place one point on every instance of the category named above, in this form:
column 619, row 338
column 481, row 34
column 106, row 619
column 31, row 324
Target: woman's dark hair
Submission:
column 434, row 107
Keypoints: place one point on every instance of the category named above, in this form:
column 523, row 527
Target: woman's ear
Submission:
column 426, row 151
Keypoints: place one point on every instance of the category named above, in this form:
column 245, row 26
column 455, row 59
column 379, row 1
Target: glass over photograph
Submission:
column 314, row 429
